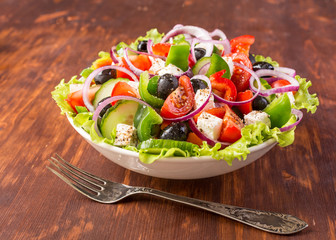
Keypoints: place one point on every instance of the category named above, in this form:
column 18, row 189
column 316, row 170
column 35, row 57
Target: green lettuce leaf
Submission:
column 260, row 58
column 151, row 34
column 61, row 93
column 303, row 99
column 153, row 149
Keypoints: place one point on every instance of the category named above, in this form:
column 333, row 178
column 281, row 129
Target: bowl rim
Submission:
column 130, row 153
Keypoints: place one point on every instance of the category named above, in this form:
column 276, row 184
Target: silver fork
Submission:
column 105, row 191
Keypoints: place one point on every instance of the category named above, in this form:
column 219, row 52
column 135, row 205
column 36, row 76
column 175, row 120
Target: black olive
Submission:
column 199, row 53
column 105, row 75
column 198, row 84
column 252, row 58
column 167, row 83
column 262, row 65
column 142, row 46
column 238, row 112
column 175, row 131
column 259, row 103
column 103, row 111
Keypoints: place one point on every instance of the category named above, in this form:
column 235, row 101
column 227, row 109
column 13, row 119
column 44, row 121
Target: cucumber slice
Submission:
column 122, row 112
column 210, row 65
column 200, row 64
column 106, row 89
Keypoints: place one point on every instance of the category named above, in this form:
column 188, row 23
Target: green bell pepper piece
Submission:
column 279, row 111
column 153, row 85
column 178, row 55
column 217, row 63
column 145, row 95
column 149, row 119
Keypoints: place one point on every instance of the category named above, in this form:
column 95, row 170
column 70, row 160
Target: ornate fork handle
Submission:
column 268, row 221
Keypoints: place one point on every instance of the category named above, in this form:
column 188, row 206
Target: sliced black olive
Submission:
column 199, row 53
column 252, row 58
column 167, row 83
column 198, row 84
column 103, row 111
column 105, row 75
column 142, row 46
column 262, row 65
column 259, row 103
column 175, row 131
column 238, row 112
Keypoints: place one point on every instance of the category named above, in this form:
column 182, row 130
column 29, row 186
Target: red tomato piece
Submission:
column 223, row 87
column 246, row 107
column 281, row 83
column 241, row 77
column 141, row 62
column 76, row 98
column 124, row 89
column 232, row 125
column 161, row 49
column 217, row 111
column 242, row 44
column 180, row 101
column 193, row 138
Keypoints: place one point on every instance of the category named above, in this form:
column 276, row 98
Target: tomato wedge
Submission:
column 141, row 62
column 76, row 98
column 217, row 111
column 281, row 83
column 124, row 89
column 180, row 101
column 242, row 44
column 193, row 138
column 161, row 49
column 246, row 107
column 241, row 77
column 232, row 125
column 223, row 87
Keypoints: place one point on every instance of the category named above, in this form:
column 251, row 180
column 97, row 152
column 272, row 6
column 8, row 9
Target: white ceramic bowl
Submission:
column 178, row 167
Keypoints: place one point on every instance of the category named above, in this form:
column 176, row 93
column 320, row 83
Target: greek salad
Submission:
column 186, row 93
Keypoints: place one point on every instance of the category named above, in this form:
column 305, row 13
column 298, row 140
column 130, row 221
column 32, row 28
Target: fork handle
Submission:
column 278, row 223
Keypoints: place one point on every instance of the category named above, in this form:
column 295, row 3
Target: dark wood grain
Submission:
column 42, row 42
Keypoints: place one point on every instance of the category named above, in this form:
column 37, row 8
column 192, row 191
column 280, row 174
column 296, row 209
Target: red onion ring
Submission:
column 148, row 54
column 211, row 142
column 204, row 69
column 194, row 41
column 226, row 44
column 149, row 46
column 134, row 69
column 197, row 110
column 289, row 88
column 299, row 116
column 89, row 79
column 251, row 80
column 192, row 30
column 108, row 101
column 291, row 72
column 113, row 55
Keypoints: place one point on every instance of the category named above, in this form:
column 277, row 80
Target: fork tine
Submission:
column 74, row 185
column 76, row 173
column 81, row 171
column 69, row 176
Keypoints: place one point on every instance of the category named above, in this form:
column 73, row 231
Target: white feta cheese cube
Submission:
column 171, row 69
column 157, row 65
column 200, row 97
column 125, row 135
column 210, row 125
column 257, row 116
column 229, row 61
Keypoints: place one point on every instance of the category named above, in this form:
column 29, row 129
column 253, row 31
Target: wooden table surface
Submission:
column 42, row 42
